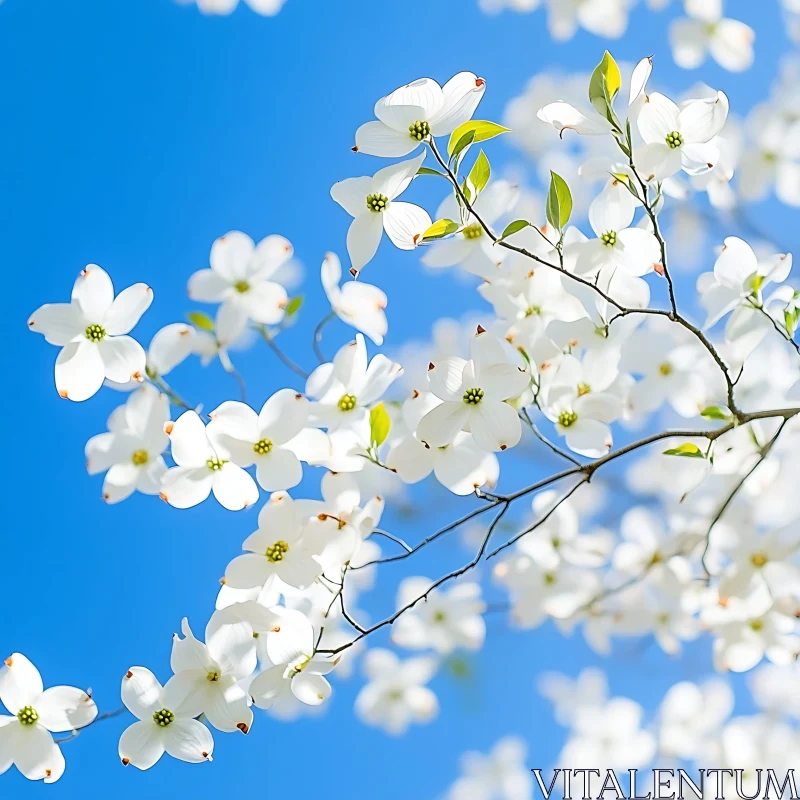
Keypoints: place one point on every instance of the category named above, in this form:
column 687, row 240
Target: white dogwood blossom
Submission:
column 202, row 469
column 356, row 303
column 416, row 111
column 164, row 724
column 473, row 395
column 705, row 30
column 92, row 333
column 372, row 204
column 396, row 695
column 239, row 279
column 130, row 453
column 25, row 738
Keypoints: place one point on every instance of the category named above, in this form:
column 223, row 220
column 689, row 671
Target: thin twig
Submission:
column 285, row 360
column 99, row 718
column 317, row 338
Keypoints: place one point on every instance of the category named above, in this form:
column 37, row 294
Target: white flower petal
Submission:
column 80, row 370
column 127, row 309
column 59, row 323
column 363, row 237
column 141, row 693
column 20, row 683
column 142, row 744
column 234, row 488
column 495, row 426
column 405, row 223
column 94, row 293
column 123, row 358
column 188, row 740
column 377, row 139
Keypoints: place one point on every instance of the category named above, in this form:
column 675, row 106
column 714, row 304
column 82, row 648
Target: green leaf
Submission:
column 440, row 229
column 480, row 173
column 461, row 144
column 716, row 412
column 379, row 424
column 687, row 450
column 294, row 305
column 559, row 202
column 514, row 227
column 200, row 320
column 481, row 131
column 429, row 171
column 604, row 85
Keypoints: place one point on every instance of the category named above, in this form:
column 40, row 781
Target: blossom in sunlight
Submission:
column 496, row 6
column 206, row 675
column 25, row 737
column 356, row 303
column 371, row 202
column 130, row 453
column 203, row 468
column 679, row 138
column 294, row 668
column 474, row 395
column 92, row 333
column 471, row 248
column 275, row 440
column 617, row 243
column 343, row 389
column 277, row 550
column 239, row 279
column 396, row 695
column 418, row 110
column 445, row 620
column 736, row 285
column 578, row 403
column 461, row 466
column 728, row 41
column 502, row 774
column 164, row 724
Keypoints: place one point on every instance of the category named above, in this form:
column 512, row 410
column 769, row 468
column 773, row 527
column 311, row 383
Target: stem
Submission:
column 318, row 337
column 285, row 360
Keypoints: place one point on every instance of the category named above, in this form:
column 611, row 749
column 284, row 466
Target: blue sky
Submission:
column 136, row 132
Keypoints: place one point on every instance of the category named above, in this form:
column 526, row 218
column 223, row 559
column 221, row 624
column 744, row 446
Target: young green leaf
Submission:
column 480, row 173
column 604, row 85
column 379, row 424
column 461, row 144
column 200, row 320
column 716, row 412
column 687, row 450
column 439, row 229
column 481, row 130
column 559, row 202
column 429, row 171
column 514, row 227
column 294, row 305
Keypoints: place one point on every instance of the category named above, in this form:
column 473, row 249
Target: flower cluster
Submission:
column 569, row 355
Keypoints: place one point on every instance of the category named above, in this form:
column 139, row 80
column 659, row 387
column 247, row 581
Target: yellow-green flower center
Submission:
column 439, row 616
column 609, row 238
column 263, row 446
column 28, row 716
column 276, row 552
column 163, row 717
column 473, row 231
column 241, row 286
column 95, row 333
column 140, row 457
column 665, row 369
column 756, row 625
column 531, row 311
column 377, row 202
column 472, row 397
column 583, row 388
column 419, row 130
column 347, row 402
column 674, row 139
column 567, row 418
column 215, row 464
column 758, row 560
column 213, row 676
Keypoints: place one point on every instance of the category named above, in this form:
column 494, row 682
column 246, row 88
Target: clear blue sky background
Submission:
column 135, row 132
